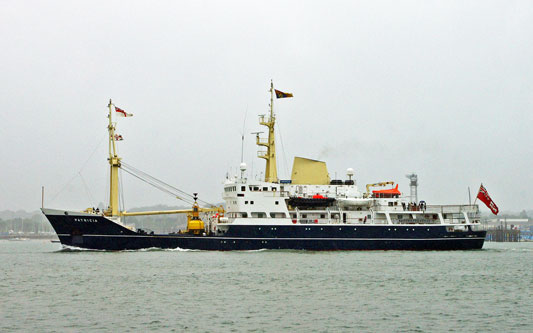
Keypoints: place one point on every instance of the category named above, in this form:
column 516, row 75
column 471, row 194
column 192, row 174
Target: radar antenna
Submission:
column 413, row 185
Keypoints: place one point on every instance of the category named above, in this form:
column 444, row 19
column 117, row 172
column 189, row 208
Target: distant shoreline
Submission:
column 28, row 236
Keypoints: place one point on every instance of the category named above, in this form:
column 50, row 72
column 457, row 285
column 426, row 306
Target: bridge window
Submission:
column 243, row 188
column 238, row 214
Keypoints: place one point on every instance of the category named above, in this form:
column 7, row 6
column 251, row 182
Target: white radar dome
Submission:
column 350, row 172
column 243, row 166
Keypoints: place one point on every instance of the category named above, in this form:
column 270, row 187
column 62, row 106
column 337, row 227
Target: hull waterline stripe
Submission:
column 280, row 238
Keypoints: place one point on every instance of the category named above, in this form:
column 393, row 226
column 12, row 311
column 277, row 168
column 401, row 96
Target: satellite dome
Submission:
column 350, row 172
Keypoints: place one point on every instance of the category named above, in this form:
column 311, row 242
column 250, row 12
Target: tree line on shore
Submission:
column 36, row 223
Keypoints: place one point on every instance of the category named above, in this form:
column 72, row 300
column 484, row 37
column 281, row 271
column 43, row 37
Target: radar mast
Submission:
column 271, row 171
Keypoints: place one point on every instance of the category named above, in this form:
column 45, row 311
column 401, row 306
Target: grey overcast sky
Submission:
column 440, row 88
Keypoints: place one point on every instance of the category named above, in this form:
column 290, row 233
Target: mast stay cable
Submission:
column 54, row 197
column 284, row 154
column 161, row 185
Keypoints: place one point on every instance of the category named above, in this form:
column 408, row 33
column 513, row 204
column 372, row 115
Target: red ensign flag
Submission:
column 122, row 113
column 484, row 196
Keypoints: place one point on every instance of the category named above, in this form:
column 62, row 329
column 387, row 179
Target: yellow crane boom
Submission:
column 376, row 184
column 178, row 211
column 195, row 225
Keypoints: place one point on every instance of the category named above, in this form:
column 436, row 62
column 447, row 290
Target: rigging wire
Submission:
column 63, row 188
column 87, row 189
column 154, row 185
column 155, row 180
column 106, row 189
column 80, row 170
column 287, row 174
column 121, row 192
column 161, row 184
column 94, row 151
column 242, row 134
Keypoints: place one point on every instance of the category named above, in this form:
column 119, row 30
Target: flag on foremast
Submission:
column 281, row 94
column 484, row 196
column 122, row 113
column 118, row 137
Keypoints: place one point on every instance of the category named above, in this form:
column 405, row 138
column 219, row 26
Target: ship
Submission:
column 309, row 211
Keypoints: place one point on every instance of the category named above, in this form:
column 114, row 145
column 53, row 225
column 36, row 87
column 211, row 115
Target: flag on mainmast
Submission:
column 281, row 94
column 118, row 137
column 484, row 196
column 123, row 113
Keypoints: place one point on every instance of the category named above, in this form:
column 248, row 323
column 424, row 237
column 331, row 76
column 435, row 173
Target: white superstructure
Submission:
column 263, row 203
column 310, row 197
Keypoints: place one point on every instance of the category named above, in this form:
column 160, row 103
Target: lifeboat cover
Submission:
column 389, row 191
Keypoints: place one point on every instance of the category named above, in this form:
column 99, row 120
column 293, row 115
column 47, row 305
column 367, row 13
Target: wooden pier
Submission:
column 503, row 233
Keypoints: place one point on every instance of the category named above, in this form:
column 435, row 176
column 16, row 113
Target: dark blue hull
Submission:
column 97, row 232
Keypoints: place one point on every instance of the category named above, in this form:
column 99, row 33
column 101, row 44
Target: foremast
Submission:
column 271, row 170
column 114, row 164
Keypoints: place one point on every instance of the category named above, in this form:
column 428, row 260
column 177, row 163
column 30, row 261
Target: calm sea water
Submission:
column 45, row 289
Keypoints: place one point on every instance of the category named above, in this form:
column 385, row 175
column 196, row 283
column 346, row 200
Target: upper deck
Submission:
column 257, row 202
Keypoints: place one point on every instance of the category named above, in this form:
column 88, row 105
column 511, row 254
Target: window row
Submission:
column 256, row 215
